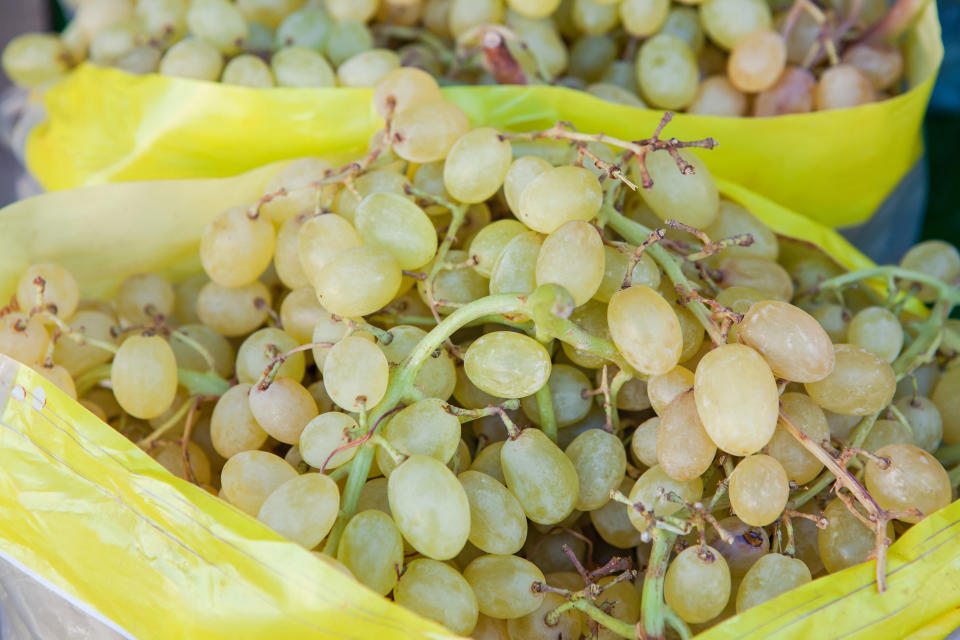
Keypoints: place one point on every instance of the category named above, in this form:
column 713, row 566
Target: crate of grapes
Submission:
column 819, row 105
column 532, row 385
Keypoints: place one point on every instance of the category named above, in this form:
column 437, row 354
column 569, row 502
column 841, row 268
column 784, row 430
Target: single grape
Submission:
column 800, row 465
column 877, row 329
column 438, row 592
column 355, row 373
column 283, row 409
column 758, row 490
column 489, row 242
column 846, row 541
column 476, row 165
column 233, row 429
column 542, row 478
column 735, row 219
column 249, row 477
column 437, row 377
column 307, row 27
column 861, row 383
column 643, row 18
column 726, row 21
column 645, row 329
column 515, row 268
column 692, row 199
column 497, row 521
column 233, row 311
column 143, row 297
column 667, row 72
column 170, row 456
column 60, row 291
column 346, row 38
column 507, row 364
column 144, row 376
column 934, row 258
column 32, row 59
column 663, row 388
column 914, row 479
column 248, row 70
column 697, row 584
column 502, row 585
column 757, row 60
column 425, row 427
column 684, row 450
column 323, row 435
column 791, row 93
column 74, row 356
column 397, row 225
column 791, row 341
column 647, row 490
column 886, row 432
column 557, row 196
column 749, row 544
column 573, row 257
column 372, row 549
column 594, row 17
column 841, row 87
column 258, row 351
column 358, row 281
column 402, row 88
column 925, row 420
column 766, row 276
column 426, row 131
column 643, row 442
column 772, row 575
column 303, row 508
column 600, row 462
column 301, row 67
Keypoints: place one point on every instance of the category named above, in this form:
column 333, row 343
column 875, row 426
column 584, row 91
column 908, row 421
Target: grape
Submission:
column 645, row 329
column 632, row 395
column 292, row 193
column 593, row 17
column 735, row 219
column 248, row 71
column 772, row 575
column 541, row 477
column 646, row 491
column 467, row 14
column 766, row 276
column 346, row 38
column 567, row 385
column 300, row 312
column 487, row 628
column 324, row 434
column 144, row 376
column 612, row 523
column 841, row 87
column 112, row 43
column 684, row 23
column 946, row 397
column 925, row 421
column 394, row 224
column 366, row 68
column 726, row 21
column 886, row 432
column 642, row 18
column 185, row 298
column 758, row 489
column 358, row 281
column 534, row 8
column 935, row 258
column 600, row 462
column 846, row 541
column 218, row 22
column 60, row 291
column 663, row 388
column 684, row 450
column 283, row 409
column 717, row 97
column 791, row 93
column 643, row 442
column 507, row 364
column 254, row 355
column 435, row 591
column 322, row 239
column 534, row 624
column 914, row 479
column 163, row 20
column 32, row 59
column 544, row 47
column 573, row 257
column 697, row 584
column 557, row 196
column 267, row 12
column 522, row 172
column 667, row 72
column 488, row 461
column 861, row 383
column 249, row 477
column 426, row 131
column 749, row 545
column 800, row 465
column 403, row 87
column 489, row 242
column 592, row 318
column 429, row 506
column 425, row 427
column 192, row 58
column 502, row 585
column 233, row 429
column 170, row 456
column 59, row 376
column 307, row 27
column 877, row 329
column 75, row 357
column 739, row 412
column 881, row 63
column 497, row 521
column 301, row 67
column 692, row 199
column 590, row 56
column 757, row 60
column 361, row 10
column 921, row 380
column 617, row 95
column 515, row 268
column 834, row 319
column 355, row 373
column 624, row 599
column 476, row 165
column 372, row 549
column 791, row 341
column 303, row 508
column 437, row 376
column 691, row 330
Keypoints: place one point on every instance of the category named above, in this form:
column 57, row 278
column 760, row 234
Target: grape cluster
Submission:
column 712, row 57
column 491, row 374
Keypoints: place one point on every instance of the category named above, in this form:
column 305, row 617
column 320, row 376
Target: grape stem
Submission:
column 945, row 291
column 147, row 441
column 548, row 419
column 676, row 623
column 652, row 606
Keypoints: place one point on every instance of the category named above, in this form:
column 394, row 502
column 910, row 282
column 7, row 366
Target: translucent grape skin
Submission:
column 573, row 257
column 645, row 329
column 502, row 585
column 600, row 462
column 324, row 434
column 800, row 465
column 507, row 364
column 476, row 165
column 846, row 540
column 355, row 373
column 758, row 490
column 697, row 584
column 557, row 196
column 424, row 427
column 540, row 475
column 690, row 198
column 235, row 248
column 770, row 576
column 861, row 383
column 395, row 224
column 684, row 450
column 144, row 376
column 914, row 479
column 372, row 549
column 249, row 477
column 283, row 408
column 646, row 490
column 791, row 341
column 303, row 508
column 438, row 592
column 497, row 521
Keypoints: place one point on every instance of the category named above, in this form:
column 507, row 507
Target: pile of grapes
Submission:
column 534, row 385
column 713, row 57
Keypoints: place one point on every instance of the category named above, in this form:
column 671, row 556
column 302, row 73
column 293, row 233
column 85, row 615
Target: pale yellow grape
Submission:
column 835, row 320
column 32, row 59
column 534, row 8
column 615, row 94
column 544, row 44
column 914, row 479
column 255, row 355
column 397, row 225
column 692, row 199
column 667, row 72
column 861, row 383
column 476, row 165
column 691, row 330
column 594, row 17
column 424, row 427
column 841, row 87
column 507, row 364
column 515, row 268
column 301, row 196
column 624, row 604
column 60, row 291
column 632, row 395
column 645, row 329
column 425, row 131
column 542, row 478
column 758, row 489
column 170, row 456
column 302, row 509
column 877, row 329
column 846, row 541
column 734, row 219
column 192, row 58
column 301, row 67
column 233, row 311
column 299, row 314
column 643, row 442
column 590, row 55
column 800, row 465
column 488, row 243
column 361, row 10
column 233, row 428
column 437, row 376
column 886, row 432
column 402, row 88
column 462, row 459
column 144, row 296
column 697, row 584
column 438, row 592
column 934, row 258
column 600, row 462
column 717, row 97
column 453, row 284
column 355, row 373
column 307, row 27
column 567, row 385
column 367, row 68
column 322, row 239
column 946, row 397
column 573, row 257
column 739, row 412
column 612, row 522
column 757, row 60
column 466, row 14
column 646, row 491
column 111, row 44
column 497, row 521
column 429, row 506
column 748, row 544
column 615, row 265
column 24, row 338
column 372, row 549
column 502, row 585
column 925, row 421
column 642, row 18
column 144, row 376
column 487, row 628
column 684, row 450
column 218, row 22
column 759, row 273
column 59, row 376
column 664, row 387
column 249, row 477
column 521, row 172
column 283, row 409
column 740, row 299
column 248, row 70
column 791, row 341
column 185, row 298
column 359, row 281
column 162, row 18
column 323, row 435
column 772, row 575
column 488, row 461
column 557, row 196
column 726, row 21
column 76, row 357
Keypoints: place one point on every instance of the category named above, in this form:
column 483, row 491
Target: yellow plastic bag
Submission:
column 89, row 513
column 835, row 167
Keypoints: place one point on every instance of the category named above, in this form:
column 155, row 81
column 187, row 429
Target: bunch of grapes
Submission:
column 528, row 385
column 712, row 57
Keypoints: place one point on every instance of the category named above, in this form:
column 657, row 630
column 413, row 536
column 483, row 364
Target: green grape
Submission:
column 645, row 329
column 112, row 43
column 467, row 14
column 60, row 291
column 662, row 389
column 514, row 270
column 307, row 27
column 192, row 58
column 643, row 442
column 534, row 8
column 426, row 428
column 697, row 584
column 573, row 257
column 646, row 491
column 32, row 59
column 488, row 461
column 593, row 17
column 924, row 418
column 534, row 625
column 543, row 44
column 373, row 495
column 283, row 409
column 75, row 357
column 323, row 435
column 487, row 245
column 615, row 94
column 521, row 172
column 914, row 479
column 623, row 74
column 667, row 72
column 632, row 396
column 791, row 341
column 437, row 376
column 772, row 575
column 292, row 193
column 557, row 196
column 502, row 585
column 476, row 165
column 758, row 490
column 438, row 592
column 367, row 68
column 403, row 87
column 542, row 478
column 321, row 240
column 429, row 506
column 600, row 462
column 766, row 276
column 800, row 465
column 691, row 330
column 624, row 602
column 302, row 509
column 615, row 265
column 218, row 22
column 358, row 281
column 643, row 18
column 395, row 224
column 748, row 545
column 612, row 522
column 726, row 21
column 684, row 23
column 426, row 131
column 301, row 67
column 355, row 373
column 886, row 432
column 233, row 429
column 835, row 320
column 735, row 219
column 140, row 60
column 590, row 56
column 877, row 329
column 185, row 298
column 684, row 450
column 300, row 312
column 143, row 297
column 497, row 521
column 934, row 258
column 567, row 385
column 249, row 477
column 507, row 364
column 248, row 71
column 692, row 199
column 144, row 376
column 372, row 549
column 846, row 541
column 268, row 12
column 162, row 20
column 259, row 40
column 361, row 10
column 256, row 354
column 946, row 397
column 861, row 383
column 717, row 97
column 346, row 39
column 592, row 318
column 487, row 628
